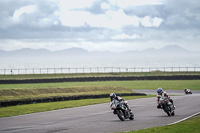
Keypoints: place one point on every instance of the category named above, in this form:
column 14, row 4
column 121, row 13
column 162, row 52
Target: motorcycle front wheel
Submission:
column 120, row 114
column 167, row 110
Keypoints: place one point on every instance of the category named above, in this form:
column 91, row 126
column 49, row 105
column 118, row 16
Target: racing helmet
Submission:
column 113, row 95
column 159, row 90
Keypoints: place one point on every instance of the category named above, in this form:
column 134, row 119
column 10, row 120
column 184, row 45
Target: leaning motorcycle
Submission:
column 167, row 106
column 188, row 91
column 121, row 110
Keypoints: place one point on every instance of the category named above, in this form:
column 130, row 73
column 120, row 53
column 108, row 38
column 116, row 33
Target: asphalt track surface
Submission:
column 100, row 119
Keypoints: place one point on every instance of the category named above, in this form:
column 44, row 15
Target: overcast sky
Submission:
column 114, row 25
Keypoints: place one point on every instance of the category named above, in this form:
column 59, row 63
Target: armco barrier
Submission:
column 56, row 99
column 115, row 78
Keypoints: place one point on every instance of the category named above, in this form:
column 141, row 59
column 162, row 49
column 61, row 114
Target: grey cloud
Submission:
column 43, row 10
column 142, row 11
column 181, row 21
column 95, row 8
column 182, row 14
column 8, row 7
column 30, row 26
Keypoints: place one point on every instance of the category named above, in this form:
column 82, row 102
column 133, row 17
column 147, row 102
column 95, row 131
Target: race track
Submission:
column 100, row 119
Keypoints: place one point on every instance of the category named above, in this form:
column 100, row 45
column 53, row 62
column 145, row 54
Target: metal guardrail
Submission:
column 95, row 70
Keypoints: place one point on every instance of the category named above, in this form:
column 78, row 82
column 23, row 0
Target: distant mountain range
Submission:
column 172, row 50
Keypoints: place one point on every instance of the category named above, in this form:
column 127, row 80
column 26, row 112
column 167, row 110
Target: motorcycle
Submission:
column 188, row 91
column 167, row 106
column 121, row 110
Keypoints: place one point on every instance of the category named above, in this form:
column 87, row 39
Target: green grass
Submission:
column 43, row 90
column 37, row 93
column 41, row 107
column 47, row 76
column 136, row 84
column 24, row 91
column 191, row 125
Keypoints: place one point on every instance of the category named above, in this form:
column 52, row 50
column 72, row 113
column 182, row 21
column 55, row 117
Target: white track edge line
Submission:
column 184, row 119
column 173, row 122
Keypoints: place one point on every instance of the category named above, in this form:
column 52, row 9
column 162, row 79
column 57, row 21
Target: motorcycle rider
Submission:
column 160, row 94
column 118, row 98
column 187, row 90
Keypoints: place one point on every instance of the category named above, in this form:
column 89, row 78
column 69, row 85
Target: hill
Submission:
column 172, row 50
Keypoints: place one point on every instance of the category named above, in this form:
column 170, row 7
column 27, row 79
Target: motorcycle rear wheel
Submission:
column 131, row 117
column 173, row 113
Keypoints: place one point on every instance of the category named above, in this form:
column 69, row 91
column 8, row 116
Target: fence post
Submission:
column 97, row 69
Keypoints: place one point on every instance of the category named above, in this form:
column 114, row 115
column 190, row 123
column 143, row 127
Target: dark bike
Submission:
column 167, row 106
column 121, row 110
column 187, row 91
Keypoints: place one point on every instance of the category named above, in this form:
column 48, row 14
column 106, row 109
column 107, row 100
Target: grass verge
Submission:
column 191, row 125
column 39, row 93
column 70, row 75
column 41, row 107
column 44, row 90
column 135, row 84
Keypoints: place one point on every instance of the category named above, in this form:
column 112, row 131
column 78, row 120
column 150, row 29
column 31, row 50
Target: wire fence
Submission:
column 96, row 70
